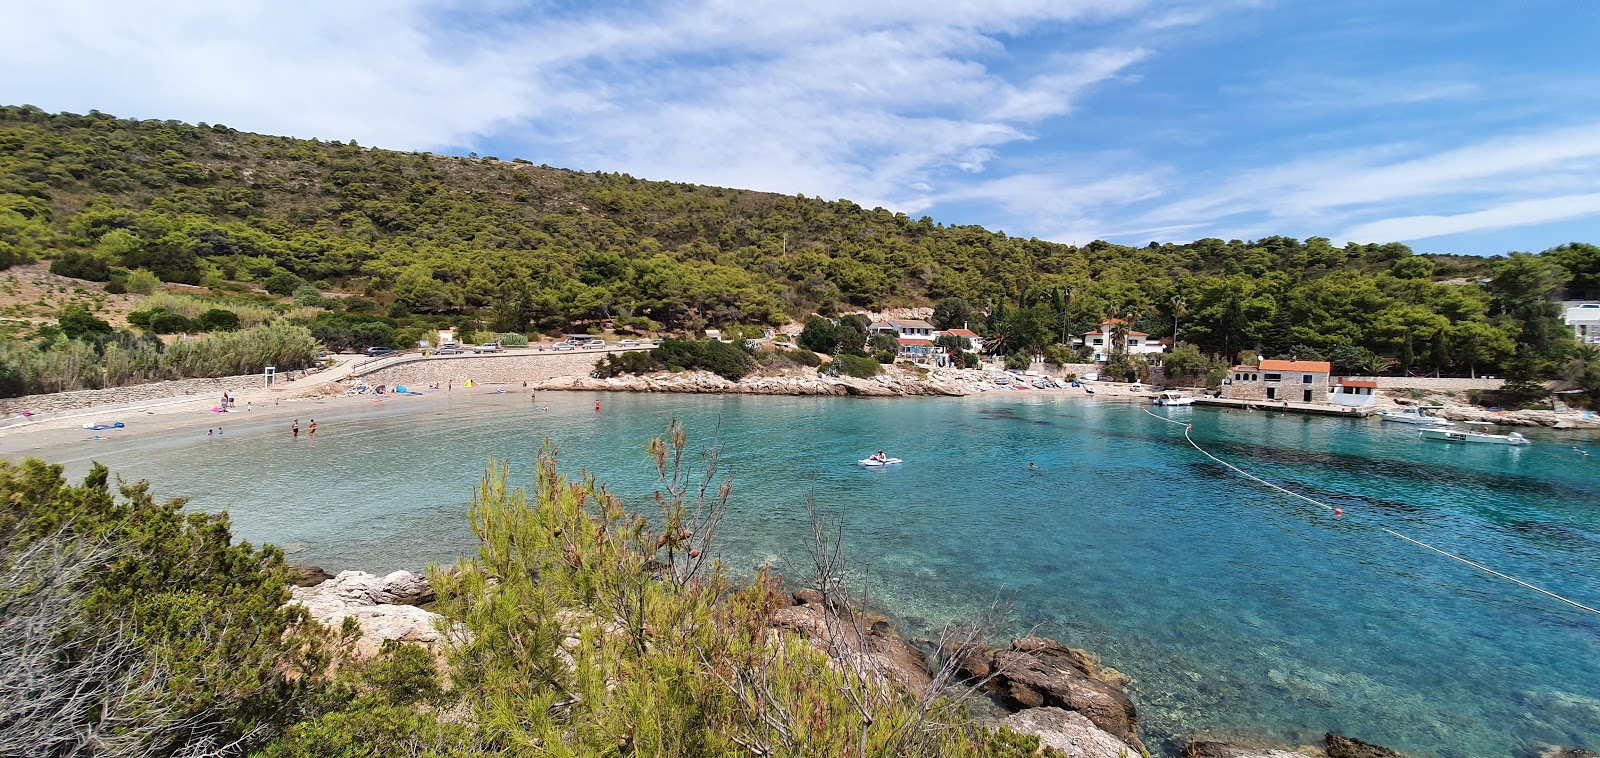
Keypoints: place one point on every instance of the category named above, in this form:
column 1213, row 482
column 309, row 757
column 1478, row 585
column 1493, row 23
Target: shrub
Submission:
column 306, row 294
column 632, row 362
column 283, row 283
column 81, row 266
column 512, row 339
column 883, row 356
column 78, row 323
column 803, row 357
column 720, row 358
column 217, row 320
column 167, row 322
column 858, row 366
column 1019, row 359
column 142, row 282
column 117, row 286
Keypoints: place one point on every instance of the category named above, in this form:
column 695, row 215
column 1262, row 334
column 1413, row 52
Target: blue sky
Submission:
column 1465, row 126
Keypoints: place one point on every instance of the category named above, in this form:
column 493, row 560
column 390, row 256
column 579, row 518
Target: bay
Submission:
column 1236, row 609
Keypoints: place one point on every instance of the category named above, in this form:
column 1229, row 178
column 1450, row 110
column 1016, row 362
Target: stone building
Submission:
column 1297, row 381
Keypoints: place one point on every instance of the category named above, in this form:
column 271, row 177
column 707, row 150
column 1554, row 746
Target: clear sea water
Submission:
column 1235, row 609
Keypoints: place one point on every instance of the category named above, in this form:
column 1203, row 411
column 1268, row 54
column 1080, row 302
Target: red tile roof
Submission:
column 968, row 333
column 1306, row 366
column 915, row 341
column 1358, row 383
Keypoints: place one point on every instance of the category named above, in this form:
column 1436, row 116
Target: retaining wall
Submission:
column 496, row 368
column 138, row 393
column 1443, row 384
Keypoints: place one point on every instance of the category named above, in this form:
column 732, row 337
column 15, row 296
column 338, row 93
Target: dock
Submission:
column 1284, row 406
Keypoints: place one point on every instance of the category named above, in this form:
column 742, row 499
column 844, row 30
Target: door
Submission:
column 1307, row 396
column 1272, row 393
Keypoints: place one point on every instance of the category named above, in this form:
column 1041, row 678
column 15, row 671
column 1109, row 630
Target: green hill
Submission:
column 517, row 247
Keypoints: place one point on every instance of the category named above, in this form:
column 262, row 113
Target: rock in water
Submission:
column 1218, row 749
column 1068, row 732
column 307, row 576
column 1340, row 746
column 1038, row 672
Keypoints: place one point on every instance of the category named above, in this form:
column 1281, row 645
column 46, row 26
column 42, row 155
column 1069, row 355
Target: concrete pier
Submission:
column 1287, row 406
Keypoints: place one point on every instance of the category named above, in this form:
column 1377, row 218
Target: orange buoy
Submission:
column 1338, row 511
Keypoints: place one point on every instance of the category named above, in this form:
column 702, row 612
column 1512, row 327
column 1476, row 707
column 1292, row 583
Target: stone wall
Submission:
column 138, row 393
column 496, row 368
column 1443, row 384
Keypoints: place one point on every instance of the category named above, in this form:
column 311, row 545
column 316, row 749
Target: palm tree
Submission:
column 1179, row 305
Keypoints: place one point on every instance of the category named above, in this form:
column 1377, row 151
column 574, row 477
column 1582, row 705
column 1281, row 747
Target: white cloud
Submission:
column 1521, row 213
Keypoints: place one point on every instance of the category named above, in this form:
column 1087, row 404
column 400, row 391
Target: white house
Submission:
column 968, row 334
column 1355, row 393
column 1101, row 340
column 1584, row 318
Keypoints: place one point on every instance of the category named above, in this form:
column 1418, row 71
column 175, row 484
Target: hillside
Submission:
column 517, row 247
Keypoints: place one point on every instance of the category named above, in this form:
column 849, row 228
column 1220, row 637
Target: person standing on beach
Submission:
column 294, row 429
column 311, row 430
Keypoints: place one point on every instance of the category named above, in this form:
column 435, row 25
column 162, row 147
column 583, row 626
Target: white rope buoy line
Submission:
column 1187, row 427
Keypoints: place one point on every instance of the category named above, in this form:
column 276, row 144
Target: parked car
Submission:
column 489, row 347
column 377, row 351
column 448, row 348
column 628, row 343
column 595, row 343
column 566, row 346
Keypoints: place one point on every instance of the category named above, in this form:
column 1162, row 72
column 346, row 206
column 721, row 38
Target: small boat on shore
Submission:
column 1418, row 416
column 1173, row 399
column 1452, row 435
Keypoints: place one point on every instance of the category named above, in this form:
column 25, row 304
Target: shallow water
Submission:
column 1235, row 609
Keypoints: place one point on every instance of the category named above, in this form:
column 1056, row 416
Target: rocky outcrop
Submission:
column 1340, row 746
column 1219, row 749
column 307, row 576
column 895, row 382
column 1036, row 672
column 1069, row 733
column 1568, row 752
column 383, row 607
column 845, row 633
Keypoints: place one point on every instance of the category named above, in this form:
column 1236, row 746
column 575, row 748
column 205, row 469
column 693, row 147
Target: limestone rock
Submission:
column 1036, row 672
column 1219, row 749
column 371, row 602
column 1068, row 732
column 875, row 646
column 1340, row 746
column 307, row 576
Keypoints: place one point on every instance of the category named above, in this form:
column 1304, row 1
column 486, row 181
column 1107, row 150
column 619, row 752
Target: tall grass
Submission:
column 74, row 365
column 250, row 314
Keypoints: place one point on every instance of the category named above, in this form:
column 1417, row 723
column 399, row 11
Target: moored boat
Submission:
column 1170, row 398
column 1417, row 416
column 1452, row 435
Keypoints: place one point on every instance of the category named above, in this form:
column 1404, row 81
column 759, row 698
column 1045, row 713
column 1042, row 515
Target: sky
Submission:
column 1455, row 126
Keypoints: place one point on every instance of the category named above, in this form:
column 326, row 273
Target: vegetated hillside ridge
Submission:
column 515, row 247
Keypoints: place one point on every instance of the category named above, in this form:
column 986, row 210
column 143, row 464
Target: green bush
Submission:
column 512, row 339
column 283, row 283
column 79, row 324
column 632, row 362
column 858, row 366
column 81, row 266
column 720, row 358
column 884, row 357
column 118, row 285
column 142, row 282
column 306, row 294
column 179, row 639
column 217, row 320
column 167, row 322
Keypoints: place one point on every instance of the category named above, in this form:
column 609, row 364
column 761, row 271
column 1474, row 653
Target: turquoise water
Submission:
column 1235, row 609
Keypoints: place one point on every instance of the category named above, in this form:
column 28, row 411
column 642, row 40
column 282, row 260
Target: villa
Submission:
column 1102, row 340
column 1302, row 381
column 1584, row 318
column 967, row 334
column 914, row 328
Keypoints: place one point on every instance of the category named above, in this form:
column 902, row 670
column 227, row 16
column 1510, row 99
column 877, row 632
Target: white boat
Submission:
column 1170, row 398
column 1413, row 416
column 1451, row 435
column 875, row 463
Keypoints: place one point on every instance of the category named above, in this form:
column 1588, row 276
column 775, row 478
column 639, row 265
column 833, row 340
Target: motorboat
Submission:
column 1170, row 398
column 1414, row 416
column 875, row 463
column 1452, row 435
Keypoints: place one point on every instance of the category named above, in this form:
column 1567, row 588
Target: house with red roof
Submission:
column 1299, row 381
column 1353, row 393
column 1102, row 341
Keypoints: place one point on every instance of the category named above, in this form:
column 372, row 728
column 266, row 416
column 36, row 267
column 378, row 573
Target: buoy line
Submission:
column 1187, row 427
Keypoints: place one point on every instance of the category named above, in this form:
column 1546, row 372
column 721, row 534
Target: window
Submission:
column 1273, row 377
column 1099, row 341
column 1133, row 343
column 1305, row 378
